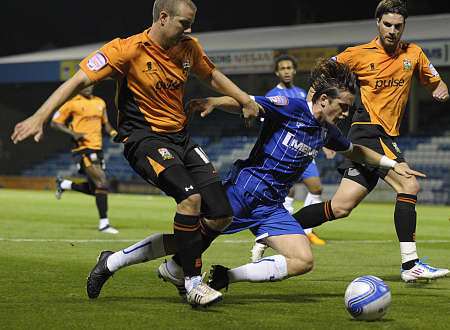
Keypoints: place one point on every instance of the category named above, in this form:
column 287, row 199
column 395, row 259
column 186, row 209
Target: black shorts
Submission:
column 87, row 157
column 149, row 154
column 374, row 137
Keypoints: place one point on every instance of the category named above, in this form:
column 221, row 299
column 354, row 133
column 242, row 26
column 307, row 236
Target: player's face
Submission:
column 337, row 108
column 178, row 25
column 390, row 30
column 286, row 72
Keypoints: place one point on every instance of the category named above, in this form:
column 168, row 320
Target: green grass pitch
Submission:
column 49, row 246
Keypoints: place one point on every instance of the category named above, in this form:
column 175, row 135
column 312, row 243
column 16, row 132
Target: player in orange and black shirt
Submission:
column 83, row 118
column 385, row 68
column 151, row 69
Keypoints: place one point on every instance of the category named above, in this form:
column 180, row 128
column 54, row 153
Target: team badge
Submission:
column 407, row 66
column 433, row 70
column 165, row 154
column 279, row 100
column 186, row 67
column 97, row 61
column 394, row 144
column 372, row 66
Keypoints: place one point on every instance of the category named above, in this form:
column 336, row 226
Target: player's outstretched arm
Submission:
column 220, row 83
column 207, row 105
column 33, row 125
column 362, row 154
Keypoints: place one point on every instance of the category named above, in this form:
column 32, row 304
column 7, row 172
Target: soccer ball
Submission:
column 367, row 298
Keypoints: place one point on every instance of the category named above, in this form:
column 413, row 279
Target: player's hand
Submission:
column 32, row 126
column 250, row 111
column 204, row 106
column 329, row 154
column 78, row 136
column 440, row 94
column 404, row 170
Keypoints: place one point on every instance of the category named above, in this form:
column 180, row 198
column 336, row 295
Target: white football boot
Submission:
column 421, row 270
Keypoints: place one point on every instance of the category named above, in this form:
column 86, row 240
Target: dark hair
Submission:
column 393, row 7
column 170, row 6
column 285, row 57
column 330, row 77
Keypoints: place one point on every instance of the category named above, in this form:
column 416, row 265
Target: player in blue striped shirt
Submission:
column 285, row 69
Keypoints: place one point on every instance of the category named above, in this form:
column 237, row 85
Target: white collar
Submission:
column 310, row 106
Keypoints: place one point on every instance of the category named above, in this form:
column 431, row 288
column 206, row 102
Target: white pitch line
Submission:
column 44, row 240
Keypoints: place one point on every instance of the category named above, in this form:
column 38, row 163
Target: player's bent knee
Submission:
column 190, row 205
column 411, row 187
column 300, row 266
column 218, row 224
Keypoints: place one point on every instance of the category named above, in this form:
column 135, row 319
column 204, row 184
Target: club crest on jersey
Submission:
column 407, row 66
column 279, row 100
column 394, row 144
column 165, row 154
column 97, row 61
column 186, row 67
column 372, row 67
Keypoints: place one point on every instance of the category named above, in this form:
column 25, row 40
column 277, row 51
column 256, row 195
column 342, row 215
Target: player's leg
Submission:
column 313, row 184
column 285, row 236
column 405, row 225
column 354, row 187
column 99, row 184
column 289, row 200
column 82, row 160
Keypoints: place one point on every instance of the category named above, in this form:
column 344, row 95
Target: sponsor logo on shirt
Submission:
column 169, row 84
column 384, row 83
column 291, row 142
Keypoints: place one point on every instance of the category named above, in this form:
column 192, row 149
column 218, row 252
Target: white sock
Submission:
column 66, row 184
column 150, row 248
column 312, row 199
column 268, row 269
column 309, row 200
column 192, row 282
column 408, row 251
column 174, row 269
column 103, row 223
column 288, row 204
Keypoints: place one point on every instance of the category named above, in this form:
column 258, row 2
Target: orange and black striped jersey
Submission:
column 151, row 80
column 84, row 115
column 385, row 80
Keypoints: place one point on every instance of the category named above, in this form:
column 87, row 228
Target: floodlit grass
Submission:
column 48, row 247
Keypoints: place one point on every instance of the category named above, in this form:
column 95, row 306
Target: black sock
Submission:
column 83, row 187
column 405, row 217
column 405, row 220
column 101, row 199
column 189, row 243
column 314, row 215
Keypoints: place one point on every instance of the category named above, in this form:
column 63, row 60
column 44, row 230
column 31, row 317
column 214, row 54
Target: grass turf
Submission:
column 48, row 247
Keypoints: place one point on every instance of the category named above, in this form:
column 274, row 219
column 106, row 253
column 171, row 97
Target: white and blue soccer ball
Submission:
column 367, row 298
